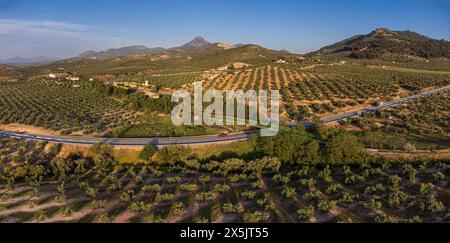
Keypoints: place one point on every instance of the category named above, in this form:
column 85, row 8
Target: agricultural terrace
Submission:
column 423, row 124
column 172, row 69
column 327, row 89
column 70, row 106
column 39, row 185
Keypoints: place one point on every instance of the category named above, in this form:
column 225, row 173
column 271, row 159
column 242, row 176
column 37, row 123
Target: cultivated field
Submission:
column 39, row 186
column 71, row 106
column 423, row 124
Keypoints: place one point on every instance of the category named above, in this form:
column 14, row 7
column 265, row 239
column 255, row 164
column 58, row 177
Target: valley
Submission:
column 364, row 135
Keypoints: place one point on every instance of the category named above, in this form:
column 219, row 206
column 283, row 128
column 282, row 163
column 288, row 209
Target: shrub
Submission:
column 204, row 179
column 205, row 197
column 249, row 195
column 431, row 204
column 40, row 216
column 165, row 197
column 172, row 155
column 102, row 150
column 309, row 196
column 98, row 204
column 67, row 212
column 139, row 206
column 326, row 206
column 397, row 198
column 426, row 189
column 373, row 205
column 279, row 179
column 92, row 192
column 153, row 219
column 258, row 184
column 221, row 188
column 289, row 192
column 383, row 219
column 232, row 165
column 105, row 219
column 333, row 189
column 256, row 217
column 148, row 152
column 151, row 188
column 345, row 148
column 311, row 183
column 188, row 187
column 179, row 209
column 305, row 213
column 201, row 220
column 325, row 174
column 374, row 189
column 127, row 196
column 230, row 208
column 395, row 183
column 438, row 176
column 192, row 164
column 173, row 180
column 265, row 166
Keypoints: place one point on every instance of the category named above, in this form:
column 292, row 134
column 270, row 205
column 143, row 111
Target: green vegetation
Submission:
column 151, row 125
column 258, row 189
column 423, row 124
column 390, row 45
column 322, row 174
column 60, row 106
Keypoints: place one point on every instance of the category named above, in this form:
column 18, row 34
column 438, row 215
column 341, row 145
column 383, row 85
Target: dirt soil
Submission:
column 28, row 129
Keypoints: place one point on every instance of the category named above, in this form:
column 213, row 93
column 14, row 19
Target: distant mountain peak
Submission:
column 382, row 30
column 197, row 42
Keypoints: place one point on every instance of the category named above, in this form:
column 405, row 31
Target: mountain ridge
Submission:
column 122, row 51
column 196, row 43
column 383, row 43
column 24, row 61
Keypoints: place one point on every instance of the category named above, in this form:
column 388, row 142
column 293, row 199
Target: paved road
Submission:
column 211, row 139
column 134, row 141
column 400, row 154
column 344, row 116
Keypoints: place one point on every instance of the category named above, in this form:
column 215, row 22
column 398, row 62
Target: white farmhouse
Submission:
column 73, row 78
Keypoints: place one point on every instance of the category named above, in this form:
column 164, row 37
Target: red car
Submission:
column 223, row 135
column 20, row 133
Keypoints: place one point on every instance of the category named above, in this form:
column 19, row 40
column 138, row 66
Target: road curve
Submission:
column 199, row 140
column 344, row 116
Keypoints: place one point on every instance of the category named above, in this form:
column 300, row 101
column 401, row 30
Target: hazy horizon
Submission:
column 43, row 28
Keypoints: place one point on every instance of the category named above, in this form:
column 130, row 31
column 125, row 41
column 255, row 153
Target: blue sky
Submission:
column 65, row 28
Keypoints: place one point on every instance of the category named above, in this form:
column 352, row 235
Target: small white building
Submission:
column 52, row 75
column 73, row 78
column 147, row 84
